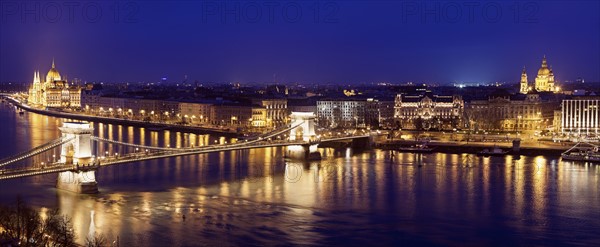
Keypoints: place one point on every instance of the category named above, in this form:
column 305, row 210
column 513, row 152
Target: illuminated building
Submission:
column 195, row 112
column 53, row 92
column 557, row 121
column 238, row 115
column 276, row 111
column 379, row 113
column 355, row 112
column 129, row 107
column 544, row 82
column 426, row 111
column 581, row 115
column 502, row 111
column 345, row 113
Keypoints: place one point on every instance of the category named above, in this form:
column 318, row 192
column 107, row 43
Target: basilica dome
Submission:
column 544, row 69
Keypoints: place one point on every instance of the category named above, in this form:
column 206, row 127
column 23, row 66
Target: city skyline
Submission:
column 299, row 123
column 352, row 43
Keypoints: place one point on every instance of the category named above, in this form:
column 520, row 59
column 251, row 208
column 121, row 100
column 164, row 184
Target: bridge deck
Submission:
column 135, row 157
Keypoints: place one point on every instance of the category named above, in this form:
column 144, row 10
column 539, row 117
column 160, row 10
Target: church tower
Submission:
column 524, row 84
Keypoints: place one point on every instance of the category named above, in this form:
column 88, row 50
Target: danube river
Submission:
column 255, row 197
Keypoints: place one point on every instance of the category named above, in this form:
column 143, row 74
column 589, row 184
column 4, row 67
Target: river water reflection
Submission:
column 351, row 197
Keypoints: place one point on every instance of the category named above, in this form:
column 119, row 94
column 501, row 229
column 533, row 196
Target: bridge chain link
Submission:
column 163, row 152
column 260, row 138
column 37, row 150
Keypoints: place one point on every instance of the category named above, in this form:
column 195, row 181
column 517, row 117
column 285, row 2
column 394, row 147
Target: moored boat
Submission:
column 157, row 129
column 419, row 148
column 578, row 153
column 496, row 151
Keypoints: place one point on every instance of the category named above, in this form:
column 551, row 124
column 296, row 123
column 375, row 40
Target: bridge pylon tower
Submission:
column 304, row 132
column 77, row 153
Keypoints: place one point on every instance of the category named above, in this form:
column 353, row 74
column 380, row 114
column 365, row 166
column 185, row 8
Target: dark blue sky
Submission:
column 347, row 41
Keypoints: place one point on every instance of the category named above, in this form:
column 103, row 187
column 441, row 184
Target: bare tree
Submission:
column 24, row 226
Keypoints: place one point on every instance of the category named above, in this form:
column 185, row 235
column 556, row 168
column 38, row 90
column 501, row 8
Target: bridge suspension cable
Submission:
column 266, row 136
column 280, row 131
column 100, row 139
column 260, row 138
column 37, row 150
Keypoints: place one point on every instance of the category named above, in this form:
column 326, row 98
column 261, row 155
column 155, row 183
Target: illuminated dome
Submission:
column 544, row 69
column 53, row 74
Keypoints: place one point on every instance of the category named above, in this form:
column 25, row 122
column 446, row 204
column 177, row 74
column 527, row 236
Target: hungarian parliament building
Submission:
column 54, row 92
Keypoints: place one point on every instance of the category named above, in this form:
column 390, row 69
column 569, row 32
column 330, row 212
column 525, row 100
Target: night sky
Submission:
column 341, row 42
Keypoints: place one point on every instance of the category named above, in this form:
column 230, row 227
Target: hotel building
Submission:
column 581, row 115
column 346, row 113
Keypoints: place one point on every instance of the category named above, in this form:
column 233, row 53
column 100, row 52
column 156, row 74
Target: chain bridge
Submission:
column 78, row 160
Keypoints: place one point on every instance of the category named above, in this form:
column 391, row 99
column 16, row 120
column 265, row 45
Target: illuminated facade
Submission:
column 379, row 113
column 346, row 113
column 276, row 112
column 54, row 91
column 428, row 111
column 544, row 82
column 238, row 115
column 195, row 112
column 581, row 115
column 502, row 111
column 355, row 112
